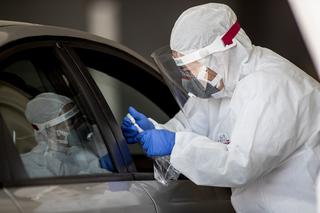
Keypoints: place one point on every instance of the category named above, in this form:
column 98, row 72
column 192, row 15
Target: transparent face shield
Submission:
column 185, row 81
column 186, row 75
column 68, row 129
column 171, row 74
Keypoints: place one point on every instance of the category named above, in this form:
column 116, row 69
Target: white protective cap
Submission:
column 198, row 27
column 45, row 110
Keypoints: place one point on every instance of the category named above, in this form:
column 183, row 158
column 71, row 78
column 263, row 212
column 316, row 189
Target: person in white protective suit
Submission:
column 63, row 148
column 251, row 122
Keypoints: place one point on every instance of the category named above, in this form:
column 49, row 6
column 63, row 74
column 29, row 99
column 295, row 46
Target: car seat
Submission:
column 12, row 107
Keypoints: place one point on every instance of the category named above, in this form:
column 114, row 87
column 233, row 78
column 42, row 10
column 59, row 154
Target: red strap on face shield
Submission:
column 232, row 32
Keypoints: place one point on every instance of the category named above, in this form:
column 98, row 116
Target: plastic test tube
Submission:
column 134, row 123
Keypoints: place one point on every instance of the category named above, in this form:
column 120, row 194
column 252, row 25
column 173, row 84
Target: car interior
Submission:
column 136, row 87
column 30, row 73
column 24, row 76
column 12, row 106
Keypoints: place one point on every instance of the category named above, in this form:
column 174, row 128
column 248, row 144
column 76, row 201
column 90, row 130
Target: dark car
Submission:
column 103, row 78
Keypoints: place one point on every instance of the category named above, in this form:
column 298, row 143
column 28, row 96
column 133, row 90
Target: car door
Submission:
column 34, row 66
column 123, row 80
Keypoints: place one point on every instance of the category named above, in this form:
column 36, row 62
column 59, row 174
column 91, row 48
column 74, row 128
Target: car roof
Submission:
column 11, row 31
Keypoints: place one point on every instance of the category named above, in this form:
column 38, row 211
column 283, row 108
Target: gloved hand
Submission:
column 141, row 119
column 129, row 130
column 157, row 142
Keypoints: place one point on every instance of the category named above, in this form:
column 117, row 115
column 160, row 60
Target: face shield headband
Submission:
column 72, row 112
column 221, row 43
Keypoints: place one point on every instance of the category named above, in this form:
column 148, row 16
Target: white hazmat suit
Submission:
column 260, row 134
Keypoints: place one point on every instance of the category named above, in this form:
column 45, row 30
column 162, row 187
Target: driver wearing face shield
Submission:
column 63, row 139
column 251, row 121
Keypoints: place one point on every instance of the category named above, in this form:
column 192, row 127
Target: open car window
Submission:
column 124, row 83
column 30, row 82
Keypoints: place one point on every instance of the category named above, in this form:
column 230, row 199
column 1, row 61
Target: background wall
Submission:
column 145, row 25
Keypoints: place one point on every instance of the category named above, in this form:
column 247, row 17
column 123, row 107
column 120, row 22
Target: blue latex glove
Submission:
column 141, row 119
column 106, row 163
column 157, row 142
column 129, row 130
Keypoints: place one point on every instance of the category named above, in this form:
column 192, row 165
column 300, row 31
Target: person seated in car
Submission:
column 63, row 146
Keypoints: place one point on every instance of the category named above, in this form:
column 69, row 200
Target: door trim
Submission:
column 77, row 73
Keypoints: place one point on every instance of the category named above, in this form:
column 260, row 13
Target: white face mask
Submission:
column 62, row 134
column 202, row 77
column 199, row 85
column 74, row 136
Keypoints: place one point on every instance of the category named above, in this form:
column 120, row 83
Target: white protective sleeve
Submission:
column 190, row 119
column 264, row 134
column 175, row 124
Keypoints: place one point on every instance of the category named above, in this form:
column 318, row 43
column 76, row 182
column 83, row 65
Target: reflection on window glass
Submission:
column 49, row 128
column 120, row 96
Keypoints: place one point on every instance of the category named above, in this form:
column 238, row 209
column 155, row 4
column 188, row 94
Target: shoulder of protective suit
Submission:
column 260, row 79
column 268, row 67
column 279, row 79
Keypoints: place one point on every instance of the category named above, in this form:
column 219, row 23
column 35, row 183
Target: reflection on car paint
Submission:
column 82, row 197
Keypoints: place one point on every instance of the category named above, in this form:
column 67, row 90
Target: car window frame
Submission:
column 171, row 108
column 99, row 108
column 9, row 50
column 92, row 46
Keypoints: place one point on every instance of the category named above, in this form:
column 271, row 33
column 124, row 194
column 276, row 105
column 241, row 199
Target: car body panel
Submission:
column 118, row 196
column 7, row 204
column 4, row 23
column 12, row 31
column 185, row 196
column 122, row 196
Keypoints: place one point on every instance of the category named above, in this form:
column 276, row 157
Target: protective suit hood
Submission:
column 198, row 27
